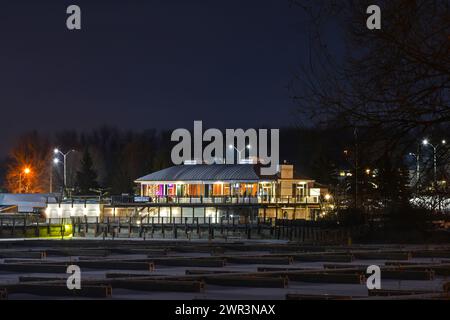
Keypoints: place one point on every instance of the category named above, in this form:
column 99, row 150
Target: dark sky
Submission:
column 147, row 64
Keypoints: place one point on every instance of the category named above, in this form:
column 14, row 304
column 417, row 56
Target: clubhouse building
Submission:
column 283, row 195
column 210, row 193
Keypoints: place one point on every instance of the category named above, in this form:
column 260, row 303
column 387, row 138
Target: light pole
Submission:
column 25, row 171
column 426, row 142
column 239, row 151
column 417, row 156
column 56, row 160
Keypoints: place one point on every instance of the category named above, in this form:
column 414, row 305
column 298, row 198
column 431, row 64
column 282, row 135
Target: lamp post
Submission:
column 426, row 142
column 56, row 160
column 25, row 171
column 239, row 151
column 417, row 157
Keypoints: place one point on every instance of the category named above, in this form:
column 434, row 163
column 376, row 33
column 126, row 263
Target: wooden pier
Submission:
column 186, row 228
column 148, row 268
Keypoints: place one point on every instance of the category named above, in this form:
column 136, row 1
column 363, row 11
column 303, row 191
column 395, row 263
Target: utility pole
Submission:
column 417, row 157
column 64, row 155
column 426, row 142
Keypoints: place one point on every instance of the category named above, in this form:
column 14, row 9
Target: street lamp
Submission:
column 426, row 142
column 25, row 171
column 239, row 151
column 56, row 151
column 417, row 156
column 54, row 162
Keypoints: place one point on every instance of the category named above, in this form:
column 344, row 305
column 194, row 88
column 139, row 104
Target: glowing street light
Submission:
column 426, row 142
column 56, row 151
column 26, row 171
column 55, row 162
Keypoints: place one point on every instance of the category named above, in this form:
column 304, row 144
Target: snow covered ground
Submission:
column 236, row 293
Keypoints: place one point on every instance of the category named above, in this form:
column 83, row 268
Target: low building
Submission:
column 89, row 209
column 25, row 203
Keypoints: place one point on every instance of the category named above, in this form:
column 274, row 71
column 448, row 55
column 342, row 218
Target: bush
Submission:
column 409, row 219
column 351, row 217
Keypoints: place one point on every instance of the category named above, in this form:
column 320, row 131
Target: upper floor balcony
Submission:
column 228, row 200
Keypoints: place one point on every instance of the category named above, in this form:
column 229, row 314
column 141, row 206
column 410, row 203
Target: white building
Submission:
column 26, row 203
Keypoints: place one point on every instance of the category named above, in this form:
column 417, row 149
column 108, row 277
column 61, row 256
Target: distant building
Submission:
column 24, row 203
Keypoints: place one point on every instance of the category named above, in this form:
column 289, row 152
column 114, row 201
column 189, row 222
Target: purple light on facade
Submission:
column 160, row 191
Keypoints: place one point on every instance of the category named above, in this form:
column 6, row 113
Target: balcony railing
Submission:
column 288, row 200
column 232, row 200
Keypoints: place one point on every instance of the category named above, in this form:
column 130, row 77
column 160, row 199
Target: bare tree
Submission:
column 396, row 79
column 29, row 164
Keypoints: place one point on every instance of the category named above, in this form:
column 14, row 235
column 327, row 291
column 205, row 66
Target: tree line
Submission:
column 106, row 158
column 111, row 159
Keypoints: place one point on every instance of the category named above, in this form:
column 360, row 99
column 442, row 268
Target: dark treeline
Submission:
column 391, row 85
column 112, row 158
column 391, row 88
column 117, row 158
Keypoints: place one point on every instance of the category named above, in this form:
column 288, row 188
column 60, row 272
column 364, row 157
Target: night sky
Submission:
column 147, row 64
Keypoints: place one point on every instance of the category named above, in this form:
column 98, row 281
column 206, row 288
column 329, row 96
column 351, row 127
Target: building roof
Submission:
column 204, row 172
column 15, row 198
column 26, row 201
column 8, row 208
